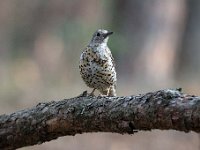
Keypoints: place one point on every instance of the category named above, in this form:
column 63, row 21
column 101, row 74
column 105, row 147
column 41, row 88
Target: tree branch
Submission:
column 164, row 109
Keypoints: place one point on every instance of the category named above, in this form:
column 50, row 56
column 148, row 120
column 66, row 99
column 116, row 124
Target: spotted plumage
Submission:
column 97, row 67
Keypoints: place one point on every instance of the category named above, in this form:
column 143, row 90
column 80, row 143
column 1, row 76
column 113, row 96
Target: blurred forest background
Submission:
column 156, row 45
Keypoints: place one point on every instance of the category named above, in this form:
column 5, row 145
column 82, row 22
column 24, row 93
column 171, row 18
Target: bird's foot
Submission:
column 91, row 94
column 101, row 95
column 84, row 94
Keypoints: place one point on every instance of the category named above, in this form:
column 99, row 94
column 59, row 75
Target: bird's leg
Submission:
column 104, row 92
column 92, row 93
column 112, row 91
column 108, row 92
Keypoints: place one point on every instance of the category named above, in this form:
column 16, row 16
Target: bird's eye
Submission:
column 98, row 34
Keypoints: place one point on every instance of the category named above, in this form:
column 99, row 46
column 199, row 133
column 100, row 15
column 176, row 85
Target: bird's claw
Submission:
column 84, row 94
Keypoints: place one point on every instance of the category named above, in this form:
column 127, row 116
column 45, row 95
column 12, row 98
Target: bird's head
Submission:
column 100, row 37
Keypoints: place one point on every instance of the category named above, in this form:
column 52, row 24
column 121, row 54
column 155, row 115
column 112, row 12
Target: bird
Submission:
column 97, row 65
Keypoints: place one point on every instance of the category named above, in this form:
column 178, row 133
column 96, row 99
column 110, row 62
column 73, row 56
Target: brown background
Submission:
column 155, row 45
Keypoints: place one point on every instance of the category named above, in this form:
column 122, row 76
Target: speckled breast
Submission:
column 97, row 70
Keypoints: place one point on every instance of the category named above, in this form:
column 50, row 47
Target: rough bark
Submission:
column 164, row 109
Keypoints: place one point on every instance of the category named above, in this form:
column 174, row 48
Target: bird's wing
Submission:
column 110, row 55
column 113, row 62
column 88, row 55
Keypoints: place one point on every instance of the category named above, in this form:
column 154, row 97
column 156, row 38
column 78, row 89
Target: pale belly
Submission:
column 98, row 76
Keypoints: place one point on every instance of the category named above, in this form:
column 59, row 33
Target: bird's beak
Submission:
column 107, row 34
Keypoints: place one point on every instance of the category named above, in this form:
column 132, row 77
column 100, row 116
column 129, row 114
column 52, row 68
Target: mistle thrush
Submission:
column 97, row 66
